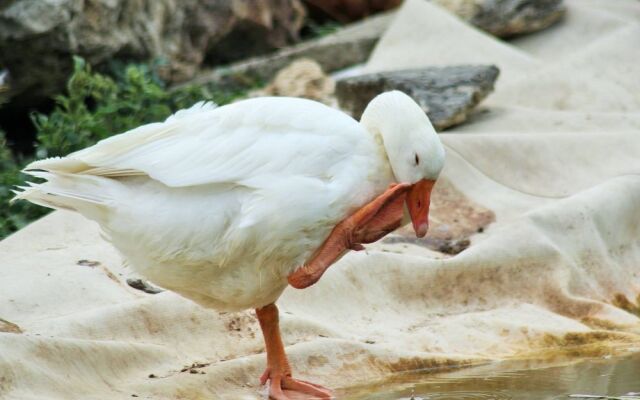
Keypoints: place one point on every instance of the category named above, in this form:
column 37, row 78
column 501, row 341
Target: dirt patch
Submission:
column 110, row 275
column 98, row 264
column 9, row 327
column 88, row 263
column 357, row 360
column 621, row 301
column 580, row 344
column 404, row 364
column 317, row 361
column 150, row 321
column 454, row 218
column 558, row 301
column 241, row 324
column 584, row 338
column 602, row 324
column 6, row 383
column 195, row 368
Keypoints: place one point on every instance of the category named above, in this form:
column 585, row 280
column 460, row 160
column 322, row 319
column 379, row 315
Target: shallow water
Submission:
column 519, row 380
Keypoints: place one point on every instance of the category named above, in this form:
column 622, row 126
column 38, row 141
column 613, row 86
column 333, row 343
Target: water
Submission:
column 517, row 380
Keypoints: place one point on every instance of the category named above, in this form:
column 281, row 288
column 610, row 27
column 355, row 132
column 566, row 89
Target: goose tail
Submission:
column 86, row 194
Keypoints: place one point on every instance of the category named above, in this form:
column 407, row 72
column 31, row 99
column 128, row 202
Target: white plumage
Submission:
column 221, row 204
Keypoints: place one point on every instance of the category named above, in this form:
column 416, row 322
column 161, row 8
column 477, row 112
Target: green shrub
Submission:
column 21, row 213
column 95, row 107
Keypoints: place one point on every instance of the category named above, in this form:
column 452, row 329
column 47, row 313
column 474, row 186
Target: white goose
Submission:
column 222, row 205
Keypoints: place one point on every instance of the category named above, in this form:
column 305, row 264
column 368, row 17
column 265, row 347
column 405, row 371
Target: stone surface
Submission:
column 446, row 94
column 38, row 37
column 453, row 220
column 143, row 285
column 346, row 47
column 302, row 78
column 506, row 18
column 350, row 10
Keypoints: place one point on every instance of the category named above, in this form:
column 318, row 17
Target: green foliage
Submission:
column 318, row 30
column 95, row 107
column 17, row 215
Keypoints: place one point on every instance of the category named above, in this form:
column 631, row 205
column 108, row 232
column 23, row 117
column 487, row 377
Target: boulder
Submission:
column 348, row 46
column 506, row 18
column 38, row 37
column 302, row 78
column 446, row 94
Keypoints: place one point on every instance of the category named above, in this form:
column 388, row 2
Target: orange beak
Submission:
column 418, row 200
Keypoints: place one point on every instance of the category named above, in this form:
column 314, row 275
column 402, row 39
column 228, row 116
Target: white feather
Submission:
column 220, row 204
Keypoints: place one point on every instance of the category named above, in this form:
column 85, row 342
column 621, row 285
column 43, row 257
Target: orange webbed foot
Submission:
column 283, row 387
column 367, row 225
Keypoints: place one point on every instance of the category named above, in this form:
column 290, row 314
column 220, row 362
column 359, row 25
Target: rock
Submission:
column 38, row 37
column 346, row 47
column 350, row 10
column 506, row 18
column 302, row 78
column 455, row 219
column 446, row 94
column 144, row 286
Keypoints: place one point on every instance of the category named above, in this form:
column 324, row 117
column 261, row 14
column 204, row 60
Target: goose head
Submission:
column 414, row 150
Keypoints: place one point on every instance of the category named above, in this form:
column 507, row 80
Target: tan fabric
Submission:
column 560, row 265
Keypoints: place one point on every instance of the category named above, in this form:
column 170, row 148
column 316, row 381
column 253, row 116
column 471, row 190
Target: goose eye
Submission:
column 417, row 159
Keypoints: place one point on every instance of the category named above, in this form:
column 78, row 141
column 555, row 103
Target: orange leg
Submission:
column 367, row 225
column 281, row 385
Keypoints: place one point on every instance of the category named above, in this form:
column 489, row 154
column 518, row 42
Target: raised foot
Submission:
column 368, row 224
column 284, row 387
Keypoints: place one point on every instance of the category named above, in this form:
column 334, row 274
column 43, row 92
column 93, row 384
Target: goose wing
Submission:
column 243, row 143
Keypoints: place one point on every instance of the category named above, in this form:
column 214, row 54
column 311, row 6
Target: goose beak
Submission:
column 418, row 200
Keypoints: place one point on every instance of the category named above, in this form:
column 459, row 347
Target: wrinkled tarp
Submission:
column 543, row 185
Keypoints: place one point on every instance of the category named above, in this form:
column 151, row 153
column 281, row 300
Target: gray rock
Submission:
column 38, row 37
column 446, row 94
column 506, row 18
column 346, row 47
column 144, row 286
